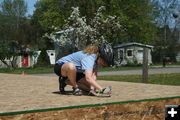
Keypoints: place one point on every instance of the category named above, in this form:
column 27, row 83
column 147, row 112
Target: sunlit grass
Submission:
column 163, row 79
column 36, row 70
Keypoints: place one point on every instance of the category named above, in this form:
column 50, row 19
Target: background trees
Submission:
column 12, row 18
column 166, row 40
column 145, row 21
column 13, row 29
column 134, row 15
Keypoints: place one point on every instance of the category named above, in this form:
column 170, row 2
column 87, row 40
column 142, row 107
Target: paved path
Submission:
column 150, row 71
column 156, row 70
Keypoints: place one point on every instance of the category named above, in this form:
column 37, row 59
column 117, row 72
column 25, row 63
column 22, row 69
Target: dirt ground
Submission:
column 27, row 92
column 153, row 110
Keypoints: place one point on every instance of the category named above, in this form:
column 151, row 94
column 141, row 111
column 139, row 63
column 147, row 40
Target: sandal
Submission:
column 77, row 91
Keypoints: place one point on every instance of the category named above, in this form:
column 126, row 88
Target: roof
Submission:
column 133, row 44
column 67, row 30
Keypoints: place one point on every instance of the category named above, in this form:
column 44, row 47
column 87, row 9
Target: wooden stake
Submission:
column 145, row 66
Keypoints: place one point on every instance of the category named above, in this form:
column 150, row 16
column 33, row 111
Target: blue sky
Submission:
column 30, row 6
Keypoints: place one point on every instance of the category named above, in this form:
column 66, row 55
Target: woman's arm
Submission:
column 94, row 75
column 91, row 79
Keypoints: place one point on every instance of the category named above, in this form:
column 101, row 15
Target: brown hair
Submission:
column 92, row 49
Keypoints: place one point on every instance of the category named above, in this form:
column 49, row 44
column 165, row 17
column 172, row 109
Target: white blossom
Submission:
column 86, row 33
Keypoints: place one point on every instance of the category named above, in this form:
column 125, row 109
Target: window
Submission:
column 129, row 53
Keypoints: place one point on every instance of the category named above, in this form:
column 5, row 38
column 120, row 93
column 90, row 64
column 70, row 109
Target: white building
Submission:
column 131, row 53
column 25, row 60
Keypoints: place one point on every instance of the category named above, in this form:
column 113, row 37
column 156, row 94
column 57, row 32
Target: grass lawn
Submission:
column 163, row 79
column 49, row 69
column 36, row 70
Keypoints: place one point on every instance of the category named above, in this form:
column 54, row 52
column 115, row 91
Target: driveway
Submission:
column 159, row 70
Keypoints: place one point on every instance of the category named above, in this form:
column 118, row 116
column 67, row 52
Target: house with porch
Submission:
column 131, row 53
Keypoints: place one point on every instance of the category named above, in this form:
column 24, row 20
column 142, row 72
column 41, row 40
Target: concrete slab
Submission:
column 26, row 92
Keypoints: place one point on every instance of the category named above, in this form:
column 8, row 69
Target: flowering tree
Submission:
column 99, row 29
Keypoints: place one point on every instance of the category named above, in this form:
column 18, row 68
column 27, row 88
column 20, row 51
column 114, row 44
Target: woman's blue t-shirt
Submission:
column 81, row 60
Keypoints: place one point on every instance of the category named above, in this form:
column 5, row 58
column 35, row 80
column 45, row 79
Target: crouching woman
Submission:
column 84, row 62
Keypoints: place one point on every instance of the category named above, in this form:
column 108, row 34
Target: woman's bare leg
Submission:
column 84, row 85
column 69, row 70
